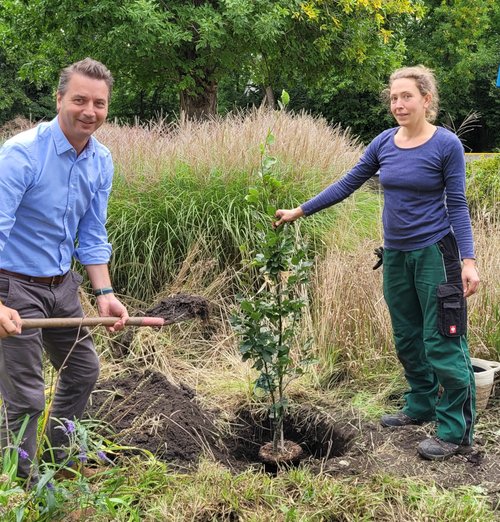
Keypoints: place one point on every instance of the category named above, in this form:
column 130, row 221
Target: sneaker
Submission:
column 437, row 449
column 392, row 420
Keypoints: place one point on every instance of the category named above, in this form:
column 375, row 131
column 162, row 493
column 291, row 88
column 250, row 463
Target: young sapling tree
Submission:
column 268, row 321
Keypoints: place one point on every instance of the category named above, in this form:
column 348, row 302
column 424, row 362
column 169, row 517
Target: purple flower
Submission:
column 102, row 455
column 70, row 427
column 23, row 454
column 50, row 486
column 82, row 456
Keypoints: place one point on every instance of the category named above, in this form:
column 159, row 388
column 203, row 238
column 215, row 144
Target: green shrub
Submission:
column 483, row 188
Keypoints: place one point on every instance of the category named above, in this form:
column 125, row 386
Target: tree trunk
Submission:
column 269, row 100
column 200, row 106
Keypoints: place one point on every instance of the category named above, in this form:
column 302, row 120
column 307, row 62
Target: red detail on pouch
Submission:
column 453, row 329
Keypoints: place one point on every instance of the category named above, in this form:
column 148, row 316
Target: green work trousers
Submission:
column 424, row 293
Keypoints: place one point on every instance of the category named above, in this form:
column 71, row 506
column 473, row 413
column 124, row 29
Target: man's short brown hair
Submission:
column 87, row 67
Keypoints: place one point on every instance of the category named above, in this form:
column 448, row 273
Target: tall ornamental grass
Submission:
column 310, row 149
column 351, row 324
column 182, row 185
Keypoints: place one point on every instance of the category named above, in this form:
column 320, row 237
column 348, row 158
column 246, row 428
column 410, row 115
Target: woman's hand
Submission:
column 287, row 215
column 470, row 277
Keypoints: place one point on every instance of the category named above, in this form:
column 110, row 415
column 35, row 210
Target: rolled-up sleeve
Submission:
column 93, row 247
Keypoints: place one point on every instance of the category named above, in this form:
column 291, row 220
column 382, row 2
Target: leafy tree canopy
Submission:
column 460, row 40
column 156, row 47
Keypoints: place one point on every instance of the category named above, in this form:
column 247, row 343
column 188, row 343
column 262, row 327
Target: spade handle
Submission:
column 75, row 322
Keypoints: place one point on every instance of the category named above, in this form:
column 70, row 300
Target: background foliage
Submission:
column 203, row 56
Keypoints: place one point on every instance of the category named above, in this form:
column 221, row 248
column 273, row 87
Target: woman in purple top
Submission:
column 429, row 260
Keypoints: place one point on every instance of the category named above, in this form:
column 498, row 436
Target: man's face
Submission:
column 82, row 109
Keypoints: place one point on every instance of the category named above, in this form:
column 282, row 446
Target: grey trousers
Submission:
column 70, row 351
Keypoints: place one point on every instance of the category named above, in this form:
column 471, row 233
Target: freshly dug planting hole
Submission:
column 146, row 411
column 316, row 432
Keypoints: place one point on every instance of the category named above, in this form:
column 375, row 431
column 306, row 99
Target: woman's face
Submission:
column 408, row 106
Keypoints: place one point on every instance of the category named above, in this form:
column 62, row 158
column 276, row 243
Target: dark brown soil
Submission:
column 180, row 307
column 148, row 412
column 174, row 309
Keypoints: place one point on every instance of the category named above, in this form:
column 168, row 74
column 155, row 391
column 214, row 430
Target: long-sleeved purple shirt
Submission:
column 424, row 191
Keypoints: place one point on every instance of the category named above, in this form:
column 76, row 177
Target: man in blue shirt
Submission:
column 55, row 181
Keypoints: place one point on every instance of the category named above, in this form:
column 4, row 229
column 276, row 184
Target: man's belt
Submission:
column 49, row 280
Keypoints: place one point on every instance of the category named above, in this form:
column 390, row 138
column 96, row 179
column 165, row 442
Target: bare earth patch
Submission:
column 148, row 412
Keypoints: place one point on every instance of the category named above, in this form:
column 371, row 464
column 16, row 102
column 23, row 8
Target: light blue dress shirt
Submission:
column 53, row 203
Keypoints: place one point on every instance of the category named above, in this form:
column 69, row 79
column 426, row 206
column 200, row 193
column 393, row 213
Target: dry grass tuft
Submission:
column 484, row 307
column 351, row 322
column 12, row 127
column 304, row 144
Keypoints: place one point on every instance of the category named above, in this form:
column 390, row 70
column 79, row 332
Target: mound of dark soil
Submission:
column 180, row 307
column 174, row 309
column 146, row 411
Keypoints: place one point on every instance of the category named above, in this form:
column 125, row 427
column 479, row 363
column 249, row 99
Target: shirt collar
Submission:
column 63, row 145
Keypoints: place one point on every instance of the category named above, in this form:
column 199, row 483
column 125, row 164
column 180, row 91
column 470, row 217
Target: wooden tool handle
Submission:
column 75, row 322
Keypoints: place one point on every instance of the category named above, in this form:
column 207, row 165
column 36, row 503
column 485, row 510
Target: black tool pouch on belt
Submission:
column 452, row 310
